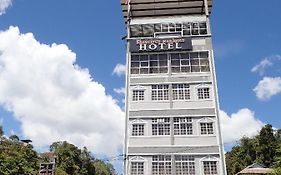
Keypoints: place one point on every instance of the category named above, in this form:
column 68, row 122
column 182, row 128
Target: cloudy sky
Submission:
column 62, row 70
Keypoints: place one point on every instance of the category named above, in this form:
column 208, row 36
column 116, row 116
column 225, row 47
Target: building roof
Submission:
column 255, row 169
column 158, row 8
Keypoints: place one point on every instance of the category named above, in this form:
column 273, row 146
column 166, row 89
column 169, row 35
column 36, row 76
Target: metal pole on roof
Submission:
column 206, row 7
column 128, row 10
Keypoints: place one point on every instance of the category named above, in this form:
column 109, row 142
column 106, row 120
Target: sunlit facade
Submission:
column 172, row 125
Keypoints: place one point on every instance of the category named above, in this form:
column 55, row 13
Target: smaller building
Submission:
column 47, row 167
column 255, row 169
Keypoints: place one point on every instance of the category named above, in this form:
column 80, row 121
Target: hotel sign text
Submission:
column 150, row 45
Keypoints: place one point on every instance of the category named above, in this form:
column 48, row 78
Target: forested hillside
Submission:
column 17, row 158
column 265, row 148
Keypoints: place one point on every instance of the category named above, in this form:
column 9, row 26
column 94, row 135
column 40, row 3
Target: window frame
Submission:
column 139, row 131
column 160, row 92
column 182, row 128
column 185, row 161
column 207, row 120
column 164, row 161
column 210, row 159
column 160, row 127
column 138, row 95
column 185, row 28
column 185, row 91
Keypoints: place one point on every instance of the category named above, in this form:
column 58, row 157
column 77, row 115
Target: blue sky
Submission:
column 245, row 34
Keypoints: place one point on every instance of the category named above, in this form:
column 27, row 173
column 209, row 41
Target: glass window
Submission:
column 137, row 168
column 207, row 128
column 161, row 126
column 181, row 91
column 137, row 129
column 136, row 31
column 185, row 165
column 138, row 95
column 183, row 126
column 149, row 64
column 203, row 93
column 148, row 30
column 188, row 28
column 190, row 62
column 210, row 168
column 161, row 165
column 160, row 92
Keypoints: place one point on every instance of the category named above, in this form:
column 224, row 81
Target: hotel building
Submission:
column 172, row 108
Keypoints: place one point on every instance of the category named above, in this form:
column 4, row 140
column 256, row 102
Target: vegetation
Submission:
column 265, row 148
column 19, row 158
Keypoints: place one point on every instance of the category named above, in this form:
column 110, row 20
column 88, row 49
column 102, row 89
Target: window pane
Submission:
column 148, row 30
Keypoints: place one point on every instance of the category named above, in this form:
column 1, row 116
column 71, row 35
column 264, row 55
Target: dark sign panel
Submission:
column 157, row 44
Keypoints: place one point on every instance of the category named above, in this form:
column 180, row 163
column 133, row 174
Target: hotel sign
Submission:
column 157, row 44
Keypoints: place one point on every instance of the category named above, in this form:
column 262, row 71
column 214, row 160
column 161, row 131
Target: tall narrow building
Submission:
column 172, row 108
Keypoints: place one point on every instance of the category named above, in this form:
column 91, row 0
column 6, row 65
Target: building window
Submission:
column 190, row 62
column 183, row 126
column 186, row 28
column 138, row 95
column 181, row 91
column 137, row 168
column 161, row 165
column 160, row 92
column 149, row 64
column 203, row 93
column 210, row 168
column 161, row 126
column 185, row 165
column 207, row 128
column 137, row 129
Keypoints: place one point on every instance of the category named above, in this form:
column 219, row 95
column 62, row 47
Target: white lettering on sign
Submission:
column 157, row 44
column 161, row 46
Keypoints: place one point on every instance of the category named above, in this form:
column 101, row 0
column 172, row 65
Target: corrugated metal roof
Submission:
column 154, row 8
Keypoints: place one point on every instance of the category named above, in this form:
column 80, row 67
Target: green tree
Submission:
column 265, row 148
column 17, row 158
column 267, row 144
column 103, row 168
column 1, row 131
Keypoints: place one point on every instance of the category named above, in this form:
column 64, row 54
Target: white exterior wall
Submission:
column 147, row 109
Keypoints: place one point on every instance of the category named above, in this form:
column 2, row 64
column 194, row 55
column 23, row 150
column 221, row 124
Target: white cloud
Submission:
column 265, row 63
column 119, row 90
column 268, row 87
column 53, row 98
column 119, row 70
column 4, row 4
column 237, row 125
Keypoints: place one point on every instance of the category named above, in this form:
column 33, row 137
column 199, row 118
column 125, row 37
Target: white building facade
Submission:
column 172, row 116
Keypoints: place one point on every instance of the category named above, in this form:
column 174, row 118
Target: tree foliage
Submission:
column 265, row 148
column 74, row 161
column 17, row 158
